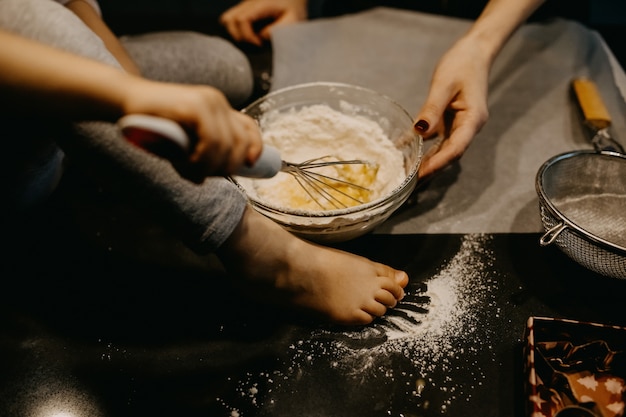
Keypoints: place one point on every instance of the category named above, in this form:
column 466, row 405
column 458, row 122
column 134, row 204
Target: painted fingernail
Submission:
column 422, row 125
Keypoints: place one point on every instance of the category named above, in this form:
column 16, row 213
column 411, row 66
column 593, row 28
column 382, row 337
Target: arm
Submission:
column 92, row 19
column 38, row 79
column 242, row 19
column 456, row 106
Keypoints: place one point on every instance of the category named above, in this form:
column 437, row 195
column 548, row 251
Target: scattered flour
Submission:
column 425, row 342
column 319, row 131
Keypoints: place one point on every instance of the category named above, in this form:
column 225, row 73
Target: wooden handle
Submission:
column 593, row 108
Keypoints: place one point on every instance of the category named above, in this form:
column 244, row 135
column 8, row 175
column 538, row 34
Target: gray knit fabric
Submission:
column 192, row 58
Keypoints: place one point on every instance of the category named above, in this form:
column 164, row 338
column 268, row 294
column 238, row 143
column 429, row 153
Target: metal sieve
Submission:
column 582, row 196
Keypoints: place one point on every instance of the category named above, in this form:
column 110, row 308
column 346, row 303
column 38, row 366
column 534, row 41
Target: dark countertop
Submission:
column 100, row 322
column 104, row 314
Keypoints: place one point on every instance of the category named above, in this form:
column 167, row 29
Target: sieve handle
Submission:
column 596, row 115
column 594, row 111
column 550, row 236
column 169, row 140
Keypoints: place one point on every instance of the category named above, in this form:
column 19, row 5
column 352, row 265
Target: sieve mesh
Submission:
column 586, row 191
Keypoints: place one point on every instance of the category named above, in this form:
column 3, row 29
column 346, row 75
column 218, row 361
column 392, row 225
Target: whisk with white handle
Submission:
column 163, row 137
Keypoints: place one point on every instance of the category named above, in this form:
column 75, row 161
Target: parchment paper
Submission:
column 533, row 115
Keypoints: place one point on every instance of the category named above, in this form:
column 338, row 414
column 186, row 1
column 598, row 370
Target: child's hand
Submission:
column 222, row 139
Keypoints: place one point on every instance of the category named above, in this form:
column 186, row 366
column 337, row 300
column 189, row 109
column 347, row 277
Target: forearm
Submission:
column 92, row 19
column 498, row 21
column 38, row 78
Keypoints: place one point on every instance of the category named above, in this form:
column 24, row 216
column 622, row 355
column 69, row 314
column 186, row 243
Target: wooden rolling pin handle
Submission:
column 594, row 111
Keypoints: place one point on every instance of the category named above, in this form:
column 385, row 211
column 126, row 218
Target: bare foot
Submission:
column 338, row 286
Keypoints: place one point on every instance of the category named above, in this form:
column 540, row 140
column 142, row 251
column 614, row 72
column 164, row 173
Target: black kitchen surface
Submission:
column 104, row 314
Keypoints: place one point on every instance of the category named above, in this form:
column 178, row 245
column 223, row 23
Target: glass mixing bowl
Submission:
column 341, row 224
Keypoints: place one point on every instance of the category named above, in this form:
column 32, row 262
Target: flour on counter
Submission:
column 458, row 295
column 318, row 131
column 415, row 355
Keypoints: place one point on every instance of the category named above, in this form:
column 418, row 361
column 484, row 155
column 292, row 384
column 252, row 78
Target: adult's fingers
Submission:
column 239, row 22
column 446, row 151
column 243, row 31
column 428, row 120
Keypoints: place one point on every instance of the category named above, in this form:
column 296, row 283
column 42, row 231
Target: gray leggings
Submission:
column 203, row 215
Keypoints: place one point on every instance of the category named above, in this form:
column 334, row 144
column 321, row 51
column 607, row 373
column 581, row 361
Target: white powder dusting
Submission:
column 318, row 131
column 418, row 351
column 456, row 294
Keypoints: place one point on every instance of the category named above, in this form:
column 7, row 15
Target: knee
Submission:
column 234, row 75
column 194, row 58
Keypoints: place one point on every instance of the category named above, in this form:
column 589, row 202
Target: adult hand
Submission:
column 456, row 107
column 242, row 20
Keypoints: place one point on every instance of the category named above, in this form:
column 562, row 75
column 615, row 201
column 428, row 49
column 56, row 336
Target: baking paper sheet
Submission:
column 532, row 113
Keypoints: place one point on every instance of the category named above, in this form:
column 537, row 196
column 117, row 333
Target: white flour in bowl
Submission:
column 317, row 131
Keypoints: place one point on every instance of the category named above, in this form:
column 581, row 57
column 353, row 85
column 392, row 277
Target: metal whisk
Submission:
column 143, row 130
column 321, row 186
column 324, row 189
